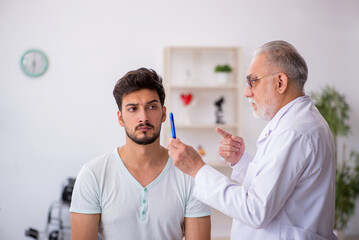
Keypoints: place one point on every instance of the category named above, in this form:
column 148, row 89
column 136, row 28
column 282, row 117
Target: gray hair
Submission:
column 284, row 56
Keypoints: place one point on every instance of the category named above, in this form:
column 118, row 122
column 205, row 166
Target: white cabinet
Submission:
column 189, row 75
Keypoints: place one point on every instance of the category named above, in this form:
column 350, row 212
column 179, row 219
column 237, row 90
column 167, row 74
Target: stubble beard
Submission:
column 145, row 140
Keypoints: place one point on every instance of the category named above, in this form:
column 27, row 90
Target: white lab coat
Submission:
column 287, row 191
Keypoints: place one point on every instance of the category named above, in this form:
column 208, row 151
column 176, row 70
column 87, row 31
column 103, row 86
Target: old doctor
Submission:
column 286, row 190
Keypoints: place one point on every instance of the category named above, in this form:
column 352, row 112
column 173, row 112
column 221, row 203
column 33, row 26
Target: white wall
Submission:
column 51, row 125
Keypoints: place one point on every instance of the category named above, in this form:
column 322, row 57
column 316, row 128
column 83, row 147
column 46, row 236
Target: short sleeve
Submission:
column 194, row 207
column 86, row 193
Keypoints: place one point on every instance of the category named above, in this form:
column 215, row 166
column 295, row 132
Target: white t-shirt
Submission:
column 129, row 210
column 287, row 189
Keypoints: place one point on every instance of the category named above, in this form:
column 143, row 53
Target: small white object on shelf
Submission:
column 223, row 78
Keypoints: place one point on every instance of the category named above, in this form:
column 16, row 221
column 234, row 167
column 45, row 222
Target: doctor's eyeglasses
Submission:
column 250, row 80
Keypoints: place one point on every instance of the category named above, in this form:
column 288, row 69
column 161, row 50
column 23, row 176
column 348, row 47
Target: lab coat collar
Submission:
column 272, row 125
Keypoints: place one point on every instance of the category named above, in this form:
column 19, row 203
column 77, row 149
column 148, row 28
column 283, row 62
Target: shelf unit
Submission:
column 190, row 70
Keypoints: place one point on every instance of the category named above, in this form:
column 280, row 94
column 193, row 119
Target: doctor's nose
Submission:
column 248, row 92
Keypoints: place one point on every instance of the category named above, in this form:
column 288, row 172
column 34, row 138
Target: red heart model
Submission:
column 186, row 98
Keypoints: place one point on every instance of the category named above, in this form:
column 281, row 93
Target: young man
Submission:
column 134, row 191
column 287, row 188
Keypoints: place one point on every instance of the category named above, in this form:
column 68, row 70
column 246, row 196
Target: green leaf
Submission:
column 335, row 110
column 223, row 68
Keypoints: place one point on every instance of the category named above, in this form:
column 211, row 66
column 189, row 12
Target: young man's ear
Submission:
column 119, row 118
column 282, row 82
column 164, row 115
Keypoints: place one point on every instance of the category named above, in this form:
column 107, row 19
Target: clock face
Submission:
column 34, row 63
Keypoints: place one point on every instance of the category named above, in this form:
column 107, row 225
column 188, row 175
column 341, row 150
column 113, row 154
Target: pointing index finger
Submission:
column 223, row 133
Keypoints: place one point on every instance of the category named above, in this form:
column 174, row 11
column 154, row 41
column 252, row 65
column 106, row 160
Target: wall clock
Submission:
column 34, row 63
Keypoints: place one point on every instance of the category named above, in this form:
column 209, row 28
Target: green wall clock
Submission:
column 34, row 63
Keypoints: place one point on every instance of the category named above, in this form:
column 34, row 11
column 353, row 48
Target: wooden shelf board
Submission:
column 201, row 87
column 205, row 126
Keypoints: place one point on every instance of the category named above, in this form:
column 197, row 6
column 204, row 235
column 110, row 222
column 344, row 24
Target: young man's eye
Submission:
column 131, row 109
column 152, row 107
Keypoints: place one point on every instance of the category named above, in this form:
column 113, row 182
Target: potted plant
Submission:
column 222, row 72
column 335, row 111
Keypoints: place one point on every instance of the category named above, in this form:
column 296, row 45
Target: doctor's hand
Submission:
column 231, row 147
column 185, row 157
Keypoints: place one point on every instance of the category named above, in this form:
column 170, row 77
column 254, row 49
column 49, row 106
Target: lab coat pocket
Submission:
column 295, row 233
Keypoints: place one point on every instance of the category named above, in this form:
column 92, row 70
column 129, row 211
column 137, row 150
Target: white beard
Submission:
column 265, row 113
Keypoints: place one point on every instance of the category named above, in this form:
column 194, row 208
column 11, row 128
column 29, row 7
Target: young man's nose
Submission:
column 143, row 116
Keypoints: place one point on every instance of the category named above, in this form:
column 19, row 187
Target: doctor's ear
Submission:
column 282, row 82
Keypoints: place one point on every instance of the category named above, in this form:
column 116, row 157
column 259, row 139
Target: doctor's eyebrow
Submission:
column 251, row 76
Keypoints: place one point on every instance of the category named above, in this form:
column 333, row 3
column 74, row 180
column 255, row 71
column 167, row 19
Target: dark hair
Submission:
column 283, row 55
column 141, row 78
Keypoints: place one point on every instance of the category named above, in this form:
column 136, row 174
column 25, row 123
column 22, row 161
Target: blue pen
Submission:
column 172, row 126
